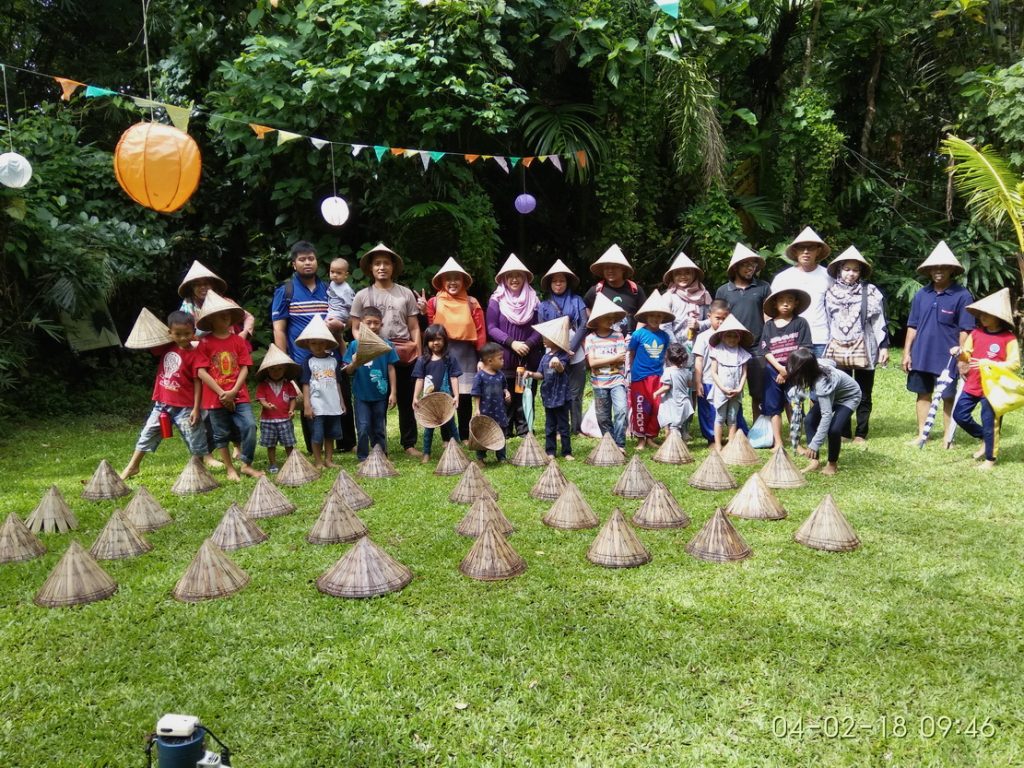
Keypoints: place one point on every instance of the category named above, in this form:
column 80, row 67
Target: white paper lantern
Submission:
column 335, row 211
column 15, row 170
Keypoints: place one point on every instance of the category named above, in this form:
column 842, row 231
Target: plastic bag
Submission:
column 760, row 434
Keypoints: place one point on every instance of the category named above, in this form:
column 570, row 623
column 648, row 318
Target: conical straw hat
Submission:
column 485, row 434
column 570, row 512
column 606, row 453
column 996, row 304
column 451, row 266
column 75, row 580
column 435, row 409
column 612, row 257
column 712, row 474
column 617, row 545
column 336, row 524
column 274, row 358
column 119, row 539
column 656, row 304
column 550, row 484
column 366, row 260
column 105, row 484
column 453, row 461
column 317, row 330
column 214, row 304
column 297, row 470
column 471, row 486
column 559, row 268
column 741, row 253
column 492, row 558
column 52, row 515
column 808, row 236
column 199, row 272
column 803, row 301
column 236, row 531
column 17, row 542
column 365, row 570
column 370, row 347
column 211, row 574
column 377, row 465
column 530, row 454
column 603, row 306
column 738, row 452
column 555, row 332
column 660, row 510
column 780, row 471
column 827, row 528
column 484, row 511
column 349, row 491
column 681, row 261
column 636, row 480
column 718, row 541
column 941, row 256
column 145, row 512
column 267, row 500
column 148, row 332
column 195, row 478
column 732, row 323
column 673, row 450
column 850, row 254
column 513, row 264
column 755, row 501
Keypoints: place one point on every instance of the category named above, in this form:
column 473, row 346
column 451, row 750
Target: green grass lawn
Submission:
column 906, row 652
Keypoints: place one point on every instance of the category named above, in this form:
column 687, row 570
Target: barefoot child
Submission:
column 277, row 395
column 647, row 348
column 321, row 391
column 490, row 394
column 674, row 392
column 373, row 388
column 553, row 372
column 784, row 333
column 605, row 350
column 436, row 371
column 727, row 350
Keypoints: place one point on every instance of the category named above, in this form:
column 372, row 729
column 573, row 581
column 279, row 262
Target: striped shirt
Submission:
column 304, row 305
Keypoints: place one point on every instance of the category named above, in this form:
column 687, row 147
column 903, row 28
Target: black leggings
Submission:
column 840, row 420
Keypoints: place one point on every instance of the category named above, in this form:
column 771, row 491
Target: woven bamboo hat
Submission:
column 145, row 512
column 52, row 514
column 448, row 268
column 266, row 500
column 365, row 570
column 453, row 461
column 606, row 453
column 492, row 558
column 636, row 480
column 604, row 307
column 77, row 579
column 803, row 301
column 712, row 474
column 297, row 471
column 215, row 304
column 996, row 304
column 555, row 331
column 17, row 542
column 550, row 484
column 194, row 478
column 370, row 347
column 827, row 529
column 719, row 541
column 612, row 257
column 105, row 484
column 732, row 323
column 755, row 501
column 780, row 471
column 941, row 256
column 377, row 250
column 198, row 271
column 317, row 329
column 148, row 332
column 377, row 465
column 808, row 236
column 655, row 305
column 211, row 574
column 741, row 253
column 617, row 545
column 681, row 261
column 529, row 453
column 274, row 358
column 559, row 268
column 471, row 486
column 660, row 510
column 850, row 254
column 673, row 450
column 485, row 434
column 484, row 512
column 119, row 539
column 435, row 409
column 738, row 452
column 570, row 512
column 350, row 491
column 337, row 523
column 236, row 531
column 513, row 264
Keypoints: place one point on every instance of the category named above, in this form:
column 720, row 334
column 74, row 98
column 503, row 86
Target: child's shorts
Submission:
column 194, row 436
column 325, row 428
column 274, row 431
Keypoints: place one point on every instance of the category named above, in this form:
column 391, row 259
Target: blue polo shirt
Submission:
column 938, row 317
column 305, row 304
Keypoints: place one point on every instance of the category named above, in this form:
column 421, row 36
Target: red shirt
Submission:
column 176, row 375
column 280, row 400
column 224, row 361
column 982, row 345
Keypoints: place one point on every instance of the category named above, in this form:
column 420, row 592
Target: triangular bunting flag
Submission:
column 436, row 156
column 410, row 153
column 179, row 116
column 379, row 151
column 318, row 143
column 357, row 148
column 581, row 158
column 260, row 130
column 92, row 91
column 146, row 103
column 425, row 159
column 286, row 136
column 555, row 161
column 515, row 161
column 502, row 163
column 470, row 159
column 397, row 151
column 671, row 8
column 68, row 87
column 527, row 161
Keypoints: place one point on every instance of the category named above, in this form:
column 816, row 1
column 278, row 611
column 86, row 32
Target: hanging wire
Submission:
column 145, row 44
column 334, row 175
column 7, row 109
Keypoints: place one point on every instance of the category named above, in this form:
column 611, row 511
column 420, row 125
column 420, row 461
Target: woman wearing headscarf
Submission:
column 560, row 283
column 193, row 289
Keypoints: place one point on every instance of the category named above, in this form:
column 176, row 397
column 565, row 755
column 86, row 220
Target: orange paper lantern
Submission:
column 157, row 165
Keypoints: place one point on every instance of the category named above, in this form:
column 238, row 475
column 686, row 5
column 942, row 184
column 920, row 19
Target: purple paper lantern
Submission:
column 526, row 203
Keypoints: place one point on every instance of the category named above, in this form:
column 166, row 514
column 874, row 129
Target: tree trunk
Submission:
column 812, row 35
column 872, row 92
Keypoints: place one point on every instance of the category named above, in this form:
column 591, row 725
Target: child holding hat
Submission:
column 560, row 284
column 553, row 372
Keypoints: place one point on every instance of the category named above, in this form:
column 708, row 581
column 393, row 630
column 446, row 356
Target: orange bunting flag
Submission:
column 68, row 87
column 581, row 158
column 470, row 159
column 527, row 161
column 397, row 151
column 260, row 130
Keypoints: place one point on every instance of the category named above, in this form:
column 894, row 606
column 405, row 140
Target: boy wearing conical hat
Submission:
column 605, row 351
column 277, row 395
column 322, row 403
column 647, row 347
column 938, row 321
column 553, row 372
column 808, row 250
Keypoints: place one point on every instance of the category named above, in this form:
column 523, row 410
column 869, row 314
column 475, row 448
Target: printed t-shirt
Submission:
column 601, row 348
column 279, row 394
column 780, row 342
column 982, row 345
column 648, row 350
column 490, row 388
column 176, row 375
column 370, row 380
column 814, row 283
column 433, row 373
column 321, row 374
column 223, row 360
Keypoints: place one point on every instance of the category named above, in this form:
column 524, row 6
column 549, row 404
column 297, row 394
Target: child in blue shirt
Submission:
column 647, row 348
column 553, row 372
column 490, row 395
column 373, row 388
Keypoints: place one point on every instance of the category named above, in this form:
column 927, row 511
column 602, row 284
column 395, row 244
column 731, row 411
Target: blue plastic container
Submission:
column 181, row 751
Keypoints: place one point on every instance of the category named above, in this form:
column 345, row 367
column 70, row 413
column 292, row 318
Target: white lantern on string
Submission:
column 15, row 170
column 334, row 210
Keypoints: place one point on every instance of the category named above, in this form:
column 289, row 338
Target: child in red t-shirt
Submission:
column 278, row 395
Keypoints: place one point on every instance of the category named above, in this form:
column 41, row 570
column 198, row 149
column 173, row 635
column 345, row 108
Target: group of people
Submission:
column 814, row 332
